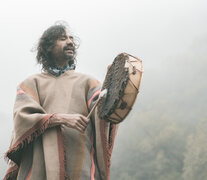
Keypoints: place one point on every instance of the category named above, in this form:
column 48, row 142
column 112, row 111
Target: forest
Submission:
column 165, row 135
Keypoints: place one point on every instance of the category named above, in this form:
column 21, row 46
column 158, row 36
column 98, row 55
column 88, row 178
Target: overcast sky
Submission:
column 151, row 30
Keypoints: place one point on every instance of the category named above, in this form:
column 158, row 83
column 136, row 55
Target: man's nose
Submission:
column 69, row 41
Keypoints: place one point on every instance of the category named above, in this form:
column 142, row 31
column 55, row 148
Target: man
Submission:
column 53, row 138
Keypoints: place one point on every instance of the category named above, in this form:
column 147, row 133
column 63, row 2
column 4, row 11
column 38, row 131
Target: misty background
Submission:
column 165, row 135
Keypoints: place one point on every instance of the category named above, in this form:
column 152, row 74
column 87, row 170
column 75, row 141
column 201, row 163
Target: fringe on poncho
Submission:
column 58, row 153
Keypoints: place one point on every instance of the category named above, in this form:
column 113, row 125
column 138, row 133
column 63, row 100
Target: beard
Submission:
column 69, row 57
column 65, row 55
column 69, row 52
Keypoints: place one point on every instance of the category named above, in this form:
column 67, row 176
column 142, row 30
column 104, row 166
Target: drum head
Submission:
column 115, row 82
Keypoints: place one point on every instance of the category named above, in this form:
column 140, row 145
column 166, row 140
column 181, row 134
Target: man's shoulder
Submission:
column 91, row 81
column 85, row 76
column 32, row 78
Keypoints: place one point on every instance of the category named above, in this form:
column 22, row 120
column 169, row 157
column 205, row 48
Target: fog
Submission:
column 171, row 39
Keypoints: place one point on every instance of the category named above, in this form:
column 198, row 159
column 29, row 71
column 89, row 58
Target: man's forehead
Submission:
column 66, row 33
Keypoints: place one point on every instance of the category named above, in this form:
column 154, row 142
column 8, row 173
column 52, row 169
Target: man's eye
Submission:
column 71, row 37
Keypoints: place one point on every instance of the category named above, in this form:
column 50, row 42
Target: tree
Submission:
column 195, row 163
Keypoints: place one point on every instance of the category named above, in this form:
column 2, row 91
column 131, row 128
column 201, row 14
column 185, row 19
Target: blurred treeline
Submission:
column 165, row 135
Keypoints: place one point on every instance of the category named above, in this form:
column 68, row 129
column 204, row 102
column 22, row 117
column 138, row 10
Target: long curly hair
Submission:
column 47, row 42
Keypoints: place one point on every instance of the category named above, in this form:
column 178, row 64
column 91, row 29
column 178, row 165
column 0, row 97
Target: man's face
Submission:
column 64, row 50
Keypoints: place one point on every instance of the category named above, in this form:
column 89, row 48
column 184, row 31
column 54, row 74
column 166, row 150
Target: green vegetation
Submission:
column 165, row 136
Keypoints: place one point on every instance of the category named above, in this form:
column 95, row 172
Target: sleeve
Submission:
column 93, row 93
column 30, row 121
column 105, row 132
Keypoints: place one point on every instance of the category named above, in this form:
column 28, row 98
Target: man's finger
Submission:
column 81, row 126
column 85, row 119
column 80, row 129
column 82, row 121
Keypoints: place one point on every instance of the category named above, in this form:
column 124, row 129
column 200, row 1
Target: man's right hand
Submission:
column 76, row 121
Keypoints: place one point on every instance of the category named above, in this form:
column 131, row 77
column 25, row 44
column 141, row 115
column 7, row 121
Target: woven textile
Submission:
column 40, row 152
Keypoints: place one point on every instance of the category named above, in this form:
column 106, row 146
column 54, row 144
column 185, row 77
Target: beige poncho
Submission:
column 38, row 152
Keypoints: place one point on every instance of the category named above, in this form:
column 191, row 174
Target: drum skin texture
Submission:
column 122, row 82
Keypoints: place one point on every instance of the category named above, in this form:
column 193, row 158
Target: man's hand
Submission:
column 76, row 121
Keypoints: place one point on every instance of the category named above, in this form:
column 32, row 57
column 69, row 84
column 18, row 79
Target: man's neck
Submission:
column 62, row 64
column 57, row 71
